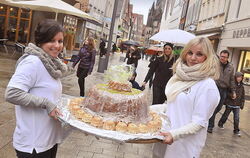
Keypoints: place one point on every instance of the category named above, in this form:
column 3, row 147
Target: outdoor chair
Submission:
column 19, row 48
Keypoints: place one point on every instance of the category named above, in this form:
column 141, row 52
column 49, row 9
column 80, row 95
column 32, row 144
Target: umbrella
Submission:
column 175, row 36
column 154, row 49
column 130, row 43
column 56, row 6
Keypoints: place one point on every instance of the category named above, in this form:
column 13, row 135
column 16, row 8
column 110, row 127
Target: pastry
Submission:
column 121, row 127
column 96, row 121
column 133, row 128
column 109, row 125
column 87, row 118
column 143, row 128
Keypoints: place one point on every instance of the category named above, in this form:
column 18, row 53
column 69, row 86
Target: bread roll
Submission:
column 133, row 128
column 96, row 121
column 87, row 118
column 143, row 128
column 121, row 127
column 109, row 125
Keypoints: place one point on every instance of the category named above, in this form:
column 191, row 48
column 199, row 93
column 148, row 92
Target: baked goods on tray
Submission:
column 116, row 106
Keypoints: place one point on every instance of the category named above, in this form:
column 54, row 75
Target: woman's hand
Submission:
column 143, row 84
column 55, row 113
column 168, row 138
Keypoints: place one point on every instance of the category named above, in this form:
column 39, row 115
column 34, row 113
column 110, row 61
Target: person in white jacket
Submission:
column 35, row 89
column 192, row 97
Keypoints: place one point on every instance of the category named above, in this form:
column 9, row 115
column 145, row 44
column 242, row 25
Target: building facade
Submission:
column 236, row 38
column 172, row 14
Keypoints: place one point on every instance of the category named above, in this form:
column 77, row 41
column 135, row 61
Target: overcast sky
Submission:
column 142, row 7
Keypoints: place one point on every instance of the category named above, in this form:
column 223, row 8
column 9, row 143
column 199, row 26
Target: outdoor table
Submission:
column 3, row 43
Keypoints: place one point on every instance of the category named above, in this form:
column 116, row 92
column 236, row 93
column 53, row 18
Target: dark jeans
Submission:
column 236, row 112
column 159, row 96
column 223, row 96
column 51, row 153
column 82, row 74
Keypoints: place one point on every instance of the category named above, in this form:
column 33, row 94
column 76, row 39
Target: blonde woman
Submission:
column 161, row 67
column 86, row 57
column 192, row 97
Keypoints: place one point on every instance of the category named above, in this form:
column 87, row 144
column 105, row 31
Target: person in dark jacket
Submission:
column 102, row 48
column 133, row 56
column 161, row 67
column 134, row 83
column 114, row 48
column 86, row 57
column 152, row 59
column 234, row 104
column 224, row 84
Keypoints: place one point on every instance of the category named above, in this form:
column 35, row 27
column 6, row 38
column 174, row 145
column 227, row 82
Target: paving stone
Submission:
column 128, row 149
column 130, row 155
column 102, row 156
column 6, row 133
column 7, row 116
column 84, row 155
column 90, row 149
column 97, row 144
column 113, row 153
column 7, row 151
column 145, row 152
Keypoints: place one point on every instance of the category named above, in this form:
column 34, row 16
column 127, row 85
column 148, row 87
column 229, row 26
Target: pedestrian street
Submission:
column 221, row 143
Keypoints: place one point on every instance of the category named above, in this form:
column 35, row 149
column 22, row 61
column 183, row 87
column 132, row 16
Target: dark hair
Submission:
column 46, row 30
column 225, row 52
column 135, row 74
column 169, row 44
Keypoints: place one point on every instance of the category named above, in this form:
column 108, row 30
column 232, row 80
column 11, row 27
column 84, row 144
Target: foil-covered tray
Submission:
column 68, row 118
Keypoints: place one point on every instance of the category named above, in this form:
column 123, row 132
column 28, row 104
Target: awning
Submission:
column 208, row 35
column 56, row 6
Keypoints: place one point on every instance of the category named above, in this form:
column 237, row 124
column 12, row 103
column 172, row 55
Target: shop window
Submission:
column 244, row 66
column 3, row 9
column 15, row 23
column 13, row 11
column 11, row 33
column 23, row 31
column 2, row 20
column 25, row 13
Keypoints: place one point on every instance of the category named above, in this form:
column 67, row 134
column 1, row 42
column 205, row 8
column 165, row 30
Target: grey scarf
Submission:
column 54, row 66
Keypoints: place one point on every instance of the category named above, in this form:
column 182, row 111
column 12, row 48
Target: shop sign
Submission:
column 241, row 33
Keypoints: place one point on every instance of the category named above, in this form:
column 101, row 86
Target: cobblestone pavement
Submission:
column 220, row 144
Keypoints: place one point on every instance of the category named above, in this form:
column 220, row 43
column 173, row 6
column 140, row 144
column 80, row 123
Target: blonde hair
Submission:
column 91, row 43
column 211, row 61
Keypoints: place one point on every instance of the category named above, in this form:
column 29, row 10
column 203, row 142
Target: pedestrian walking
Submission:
column 224, row 83
column 35, row 89
column 86, row 57
column 192, row 97
column 102, row 48
column 114, row 48
column 151, row 60
column 161, row 67
column 133, row 55
column 234, row 104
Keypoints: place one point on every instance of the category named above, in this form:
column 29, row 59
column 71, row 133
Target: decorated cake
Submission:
column 116, row 105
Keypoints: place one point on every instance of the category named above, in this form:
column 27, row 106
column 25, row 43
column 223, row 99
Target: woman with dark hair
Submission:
column 86, row 57
column 35, row 89
column 161, row 67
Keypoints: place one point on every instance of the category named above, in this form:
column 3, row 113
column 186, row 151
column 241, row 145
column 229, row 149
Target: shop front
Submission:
column 15, row 23
column 236, row 38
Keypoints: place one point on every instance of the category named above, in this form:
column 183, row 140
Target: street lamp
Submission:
column 103, row 62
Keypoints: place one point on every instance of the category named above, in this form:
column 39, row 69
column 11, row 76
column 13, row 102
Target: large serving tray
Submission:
column 108, row 134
